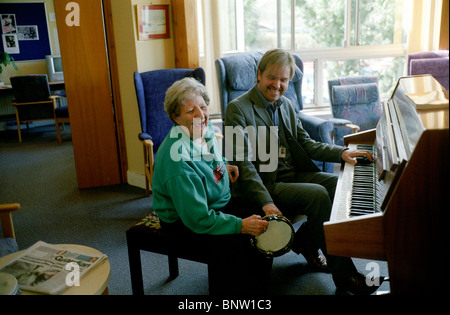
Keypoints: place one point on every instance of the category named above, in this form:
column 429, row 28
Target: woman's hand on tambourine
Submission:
column 254, row 225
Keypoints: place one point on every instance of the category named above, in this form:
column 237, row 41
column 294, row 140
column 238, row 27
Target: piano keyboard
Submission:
column 359, row 192
column 364, row 190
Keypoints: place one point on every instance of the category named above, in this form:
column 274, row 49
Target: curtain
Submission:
column 424, row 28
column 210, row 48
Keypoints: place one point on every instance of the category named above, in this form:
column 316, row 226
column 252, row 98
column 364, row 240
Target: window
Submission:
column 333, row 37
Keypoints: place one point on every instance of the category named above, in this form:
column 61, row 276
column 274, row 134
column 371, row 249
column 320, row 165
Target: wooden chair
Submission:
column 8, row 244
column 33, row 101
column 61, row 115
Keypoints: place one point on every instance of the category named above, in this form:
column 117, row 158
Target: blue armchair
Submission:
column 355, row 99
column 236, row 75
column 151, row 87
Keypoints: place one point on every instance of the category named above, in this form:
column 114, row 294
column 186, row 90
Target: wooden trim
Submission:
column 32, row 103
column 117, row 101
column 370, row 244
column 185, row 31
column 443, row 39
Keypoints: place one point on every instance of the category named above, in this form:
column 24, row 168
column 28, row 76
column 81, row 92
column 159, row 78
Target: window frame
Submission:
column 322, row 55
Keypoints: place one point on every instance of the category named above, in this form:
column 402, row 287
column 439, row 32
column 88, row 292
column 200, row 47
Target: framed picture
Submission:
column 10, row 43
column 153, row 21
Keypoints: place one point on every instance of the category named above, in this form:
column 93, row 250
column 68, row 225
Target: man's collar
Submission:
column 266, row 103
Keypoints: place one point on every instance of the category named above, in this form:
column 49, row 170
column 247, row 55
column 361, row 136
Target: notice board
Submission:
column 24, row 30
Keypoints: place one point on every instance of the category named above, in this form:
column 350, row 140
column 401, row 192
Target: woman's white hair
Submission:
column 182, row 91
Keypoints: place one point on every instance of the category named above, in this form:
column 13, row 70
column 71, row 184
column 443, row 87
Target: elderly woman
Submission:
column 191, row 192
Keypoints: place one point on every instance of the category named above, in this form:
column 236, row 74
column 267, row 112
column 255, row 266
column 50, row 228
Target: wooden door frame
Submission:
column 115, row 85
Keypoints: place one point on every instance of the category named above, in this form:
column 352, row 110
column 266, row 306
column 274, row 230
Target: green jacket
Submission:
column 190, row 184
column 256, row 176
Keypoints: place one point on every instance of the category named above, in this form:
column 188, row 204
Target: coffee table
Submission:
column 95, row 282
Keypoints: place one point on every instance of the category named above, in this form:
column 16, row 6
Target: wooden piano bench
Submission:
column 147, row 235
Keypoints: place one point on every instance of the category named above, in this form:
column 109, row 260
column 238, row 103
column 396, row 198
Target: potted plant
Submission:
column 5, row 60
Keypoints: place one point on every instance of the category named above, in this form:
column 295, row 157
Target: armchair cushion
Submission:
column 8, row 246
column 355, row 94
column 349, row 81
column 241, row 70
column 319, row 129
column 438, row 68
column 435, row 63
column 358, row 103
column 62, row 111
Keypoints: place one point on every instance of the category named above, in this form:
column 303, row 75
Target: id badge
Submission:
column 282, row 152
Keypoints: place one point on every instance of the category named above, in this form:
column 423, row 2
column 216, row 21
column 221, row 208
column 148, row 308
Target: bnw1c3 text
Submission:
column 232, row 304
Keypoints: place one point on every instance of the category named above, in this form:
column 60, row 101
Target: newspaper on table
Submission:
column 50, row 269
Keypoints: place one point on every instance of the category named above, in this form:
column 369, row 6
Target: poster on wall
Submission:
column 27, row 32
column 10, row 43
column 24, row 30
column 8, row 23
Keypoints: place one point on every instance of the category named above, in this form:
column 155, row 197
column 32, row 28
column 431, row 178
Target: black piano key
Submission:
column 357, row 213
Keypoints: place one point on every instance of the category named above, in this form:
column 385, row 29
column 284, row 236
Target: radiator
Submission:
column 5, row 105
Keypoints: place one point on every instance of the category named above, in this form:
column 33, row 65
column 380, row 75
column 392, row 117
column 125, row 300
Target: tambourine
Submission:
column 278, row 237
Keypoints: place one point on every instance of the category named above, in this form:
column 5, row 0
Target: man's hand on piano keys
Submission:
column 350, row 155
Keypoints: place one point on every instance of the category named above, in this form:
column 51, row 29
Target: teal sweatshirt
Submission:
column 191, row 184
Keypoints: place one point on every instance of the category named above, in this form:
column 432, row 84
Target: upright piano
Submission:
column 396, row 209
